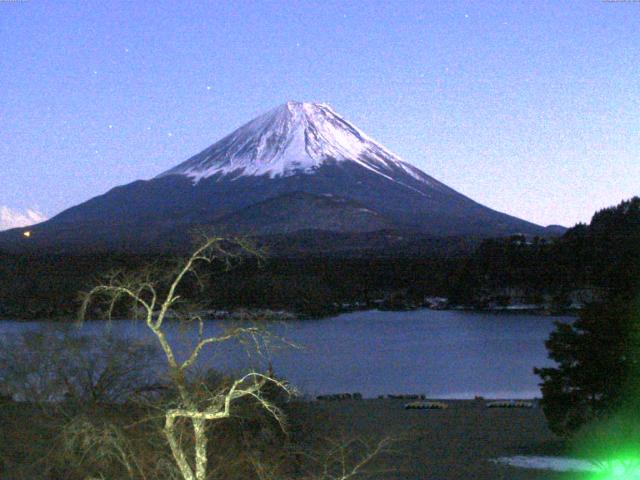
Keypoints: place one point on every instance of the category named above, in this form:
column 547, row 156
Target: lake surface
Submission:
column 442, row 354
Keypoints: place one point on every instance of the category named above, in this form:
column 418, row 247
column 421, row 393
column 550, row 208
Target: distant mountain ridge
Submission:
column 300, row 166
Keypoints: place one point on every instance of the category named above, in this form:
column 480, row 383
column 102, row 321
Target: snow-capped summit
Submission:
column 295, row 137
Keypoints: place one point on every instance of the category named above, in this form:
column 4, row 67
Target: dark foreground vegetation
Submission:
column 125, row 441
column 459, row 442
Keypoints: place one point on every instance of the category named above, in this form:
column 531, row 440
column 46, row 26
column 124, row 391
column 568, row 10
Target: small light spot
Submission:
column 169, row 134
column 208, row 87
column 110, row 126
column 27, row 233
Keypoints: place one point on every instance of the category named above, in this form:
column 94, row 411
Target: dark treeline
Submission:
column 317, row 286
column 47, row 286
column 42, row 287
column 602, row 256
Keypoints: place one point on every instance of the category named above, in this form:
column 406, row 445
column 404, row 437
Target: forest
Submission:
column 602, row 256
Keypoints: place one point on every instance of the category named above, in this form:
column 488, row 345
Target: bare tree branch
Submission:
column 143, row 291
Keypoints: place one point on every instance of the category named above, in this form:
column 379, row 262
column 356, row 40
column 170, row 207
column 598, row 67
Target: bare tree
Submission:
column 82, row 438
column 344, row 458
column 349, row 459
column 155, row 298
column 54, row 363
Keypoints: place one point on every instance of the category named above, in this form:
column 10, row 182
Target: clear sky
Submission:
column 529, row 107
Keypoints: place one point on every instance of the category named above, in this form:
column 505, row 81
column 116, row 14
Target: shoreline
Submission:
column 287, row 316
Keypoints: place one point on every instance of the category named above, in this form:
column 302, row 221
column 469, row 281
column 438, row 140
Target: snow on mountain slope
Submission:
column 294, row 138
column 13, row 219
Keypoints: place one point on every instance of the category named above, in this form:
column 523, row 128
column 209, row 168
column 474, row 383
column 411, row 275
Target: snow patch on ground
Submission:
column 556, row 464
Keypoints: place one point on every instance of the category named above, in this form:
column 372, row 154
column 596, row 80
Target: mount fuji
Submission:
column 300, row 167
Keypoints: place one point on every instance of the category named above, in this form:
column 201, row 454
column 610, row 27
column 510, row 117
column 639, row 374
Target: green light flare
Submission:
column 619, row 469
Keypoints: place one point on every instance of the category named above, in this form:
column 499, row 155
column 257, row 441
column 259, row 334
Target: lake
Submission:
column 442, row 354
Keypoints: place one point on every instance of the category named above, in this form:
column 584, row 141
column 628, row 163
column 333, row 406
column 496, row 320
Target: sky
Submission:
column 529, row 107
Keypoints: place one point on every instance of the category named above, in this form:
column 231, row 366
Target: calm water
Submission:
column 439, row 353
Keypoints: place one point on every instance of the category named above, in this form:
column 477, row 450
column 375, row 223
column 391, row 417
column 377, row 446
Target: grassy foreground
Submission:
column 456, row 443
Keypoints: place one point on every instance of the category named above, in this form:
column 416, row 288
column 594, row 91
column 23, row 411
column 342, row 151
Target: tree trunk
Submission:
column 176, row 450
column 199, row 429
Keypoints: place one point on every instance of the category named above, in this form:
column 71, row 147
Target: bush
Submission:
column 55, row 363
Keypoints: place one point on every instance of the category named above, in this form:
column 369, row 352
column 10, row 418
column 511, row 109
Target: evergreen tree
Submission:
column 598, row 355
column 597, row 360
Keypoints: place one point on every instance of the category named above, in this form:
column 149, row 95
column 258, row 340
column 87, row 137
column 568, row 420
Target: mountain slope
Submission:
column 301, row 211
column 296, row 148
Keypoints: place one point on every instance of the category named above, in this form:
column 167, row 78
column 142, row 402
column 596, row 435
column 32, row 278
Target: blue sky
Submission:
column 531, row 108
